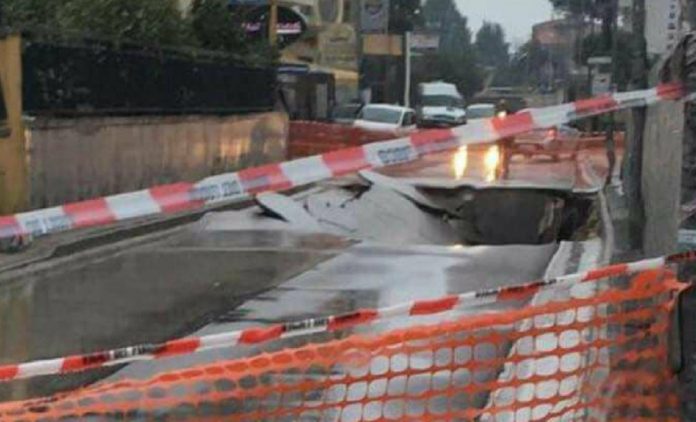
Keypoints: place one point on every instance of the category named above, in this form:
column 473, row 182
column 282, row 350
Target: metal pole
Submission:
column 273, row 23
column 407, row 71
column 633, row 159
column 609, row 27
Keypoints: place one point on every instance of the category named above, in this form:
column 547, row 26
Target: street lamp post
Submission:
column 273, row 23
column 407, row 69
column 633, row 160
column 609, row 29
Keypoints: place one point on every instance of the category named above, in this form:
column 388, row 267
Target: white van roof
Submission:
column 392, row 107
column 439, row 88
column 481, row 106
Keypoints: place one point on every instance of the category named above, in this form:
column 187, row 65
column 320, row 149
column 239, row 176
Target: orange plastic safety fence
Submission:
column 594, row 351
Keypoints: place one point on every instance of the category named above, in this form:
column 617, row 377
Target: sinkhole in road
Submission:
column 221, row 270
column 467, row 216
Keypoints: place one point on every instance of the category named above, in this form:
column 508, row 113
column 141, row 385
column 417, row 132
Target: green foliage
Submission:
column 215, row 27
column 594, row 45
column 460, row 70
column 491, row 46
column 456, row 60
column 578, row 7
column 209, row 25
column 442, row 16
column 525, row 66
column 404, row 15
column 28, row 13
column 142, row 21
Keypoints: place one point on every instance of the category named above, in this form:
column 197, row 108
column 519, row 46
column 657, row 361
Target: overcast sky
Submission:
column 516, row 16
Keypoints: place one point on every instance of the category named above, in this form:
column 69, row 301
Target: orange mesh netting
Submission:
column 590, row 351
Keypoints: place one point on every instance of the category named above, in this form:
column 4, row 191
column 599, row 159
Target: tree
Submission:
column 577, row 7
column 443, row 17
column 455, row 61
column 28, row 13
column 529, row 60
column 491, row 47
column 210, row 25
column 437, row 13
column 460, row 70
column 215, row 27
column 141, row 21
column 595, row 45
column 404, row 15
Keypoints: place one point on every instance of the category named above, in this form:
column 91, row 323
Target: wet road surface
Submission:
column 239, row 269
column 371, row 275
column 539, row 172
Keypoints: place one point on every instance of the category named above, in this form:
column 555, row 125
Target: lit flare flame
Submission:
column 491, row 161
column 460, row 162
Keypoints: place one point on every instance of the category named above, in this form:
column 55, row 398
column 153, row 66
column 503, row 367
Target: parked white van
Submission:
column 440, row 105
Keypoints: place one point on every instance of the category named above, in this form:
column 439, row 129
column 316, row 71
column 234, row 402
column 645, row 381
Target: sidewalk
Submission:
column 104, row 238
column 571, row 257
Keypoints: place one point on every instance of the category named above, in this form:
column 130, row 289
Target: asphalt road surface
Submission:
column 216, row 269
column 239, row 269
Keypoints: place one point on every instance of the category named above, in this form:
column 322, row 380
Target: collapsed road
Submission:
column 374, row 240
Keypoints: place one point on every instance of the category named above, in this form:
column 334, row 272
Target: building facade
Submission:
column 330, row 44
column 662, row 25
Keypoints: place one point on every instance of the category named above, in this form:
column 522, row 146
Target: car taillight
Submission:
column 552, row 133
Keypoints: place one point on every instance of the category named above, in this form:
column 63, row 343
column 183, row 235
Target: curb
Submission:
column 569, row 258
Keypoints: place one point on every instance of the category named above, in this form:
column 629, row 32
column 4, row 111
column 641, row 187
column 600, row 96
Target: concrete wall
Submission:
column 661, row 185
column 75, row 159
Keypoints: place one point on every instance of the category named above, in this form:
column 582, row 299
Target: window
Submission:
column 346, row 111
column 480, row 112
column 347, row 11
column 409, row 119
column 442, row 101
column 381, row 115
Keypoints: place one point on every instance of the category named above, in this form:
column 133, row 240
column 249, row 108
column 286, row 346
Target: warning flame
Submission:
column 491, row 161
column 460, row 161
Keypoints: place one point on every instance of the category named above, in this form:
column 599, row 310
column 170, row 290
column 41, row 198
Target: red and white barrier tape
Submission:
column 250, row 336
column 274, row 177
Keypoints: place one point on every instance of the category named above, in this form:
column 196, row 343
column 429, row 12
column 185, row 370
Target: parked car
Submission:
column 553, row 142
column 480, row 111
column 386, row 117
column 440, row 105
column 346, row 113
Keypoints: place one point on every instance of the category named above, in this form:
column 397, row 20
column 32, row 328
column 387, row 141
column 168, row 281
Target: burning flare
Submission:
column 460, row 161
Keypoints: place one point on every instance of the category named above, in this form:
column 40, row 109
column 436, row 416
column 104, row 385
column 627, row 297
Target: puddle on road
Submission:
column 149, row 294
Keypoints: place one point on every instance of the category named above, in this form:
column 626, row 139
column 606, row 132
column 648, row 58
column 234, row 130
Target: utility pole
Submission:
column 633, row 160
column 609, row 29
column 273, row 23
column 407, row 70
